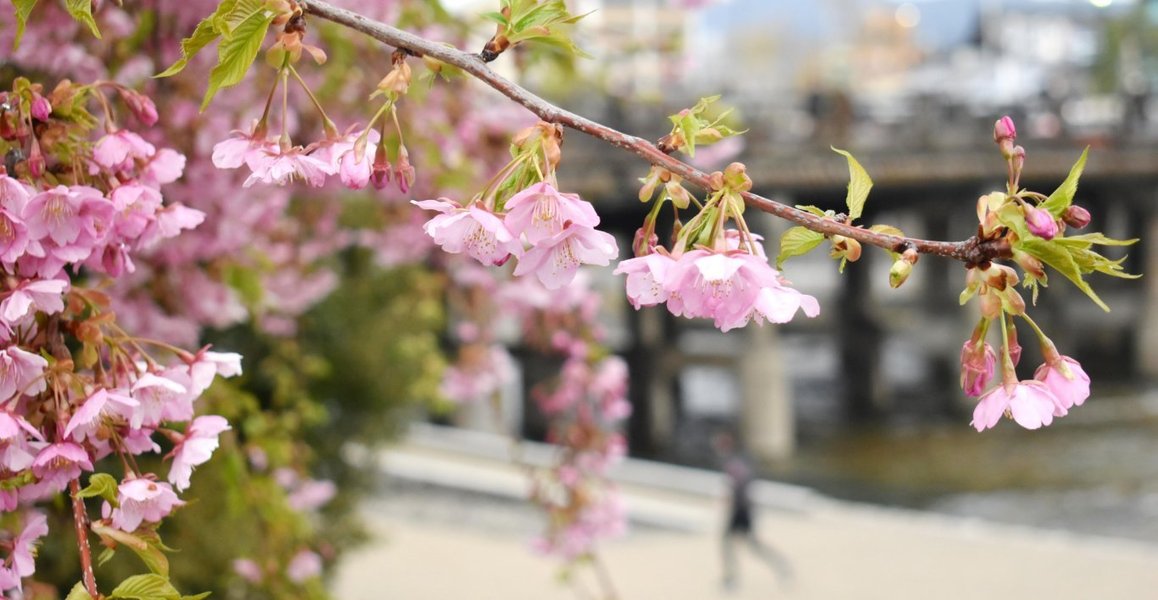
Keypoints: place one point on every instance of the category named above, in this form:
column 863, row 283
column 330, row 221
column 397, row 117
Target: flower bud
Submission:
column 736, row 177
column 899, row 272
column 990, row 304
column 1018, row 157
column 1076, row 216
column 1040, row 223
column 978, row 364
column 846, row 248
column 380, row 170
column 647, row 191
column 645, row 242
column 397, row 81
column 1029, row 264
column 1004, row 130
column 1000, row 277
column 41, row 109
column 1013, row 346
column 404, row 173
column 1012, row 302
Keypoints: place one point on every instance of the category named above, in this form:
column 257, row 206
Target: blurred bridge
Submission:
column 874, row 353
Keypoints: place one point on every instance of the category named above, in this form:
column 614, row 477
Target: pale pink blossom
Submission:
column 197, row 445
column 22, row 559
column 115, row 149
column 14, row 195
column 277, row 166
column 13, row 237
column 101, row 405
column 163, row 397
column 723, row 286
column 472, row 230
column 141, row 501
column 165, row 167
column 45, row 295
column 241, row 149
column 57, row 464
column 478, row 375
column 21, row 372
column 555, row 260
column 16, row 454
column 248, row 570
column 311, row 494
column 1030, row 403
column 779, row 303
column 646, row 277
column 1066, row 379
column 304, row 565
column 541, row 212
column 208, row 364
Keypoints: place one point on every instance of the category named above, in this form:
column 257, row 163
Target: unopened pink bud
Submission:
column 1018, row 158
column 1040, row 223
column 1004, row 130
column 978, row 364
column 142, row 106
column 41, row 108
column 380, row 176
column 1076, row 216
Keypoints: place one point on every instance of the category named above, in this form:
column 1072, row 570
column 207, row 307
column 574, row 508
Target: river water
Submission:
column 1094, row 471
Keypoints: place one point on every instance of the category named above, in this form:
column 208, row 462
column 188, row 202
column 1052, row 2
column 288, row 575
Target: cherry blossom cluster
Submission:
column 548, row 232
column 75, row 387
column 1060, row 383
column 711, row 271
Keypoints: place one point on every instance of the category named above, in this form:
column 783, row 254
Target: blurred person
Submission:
column 740, row 526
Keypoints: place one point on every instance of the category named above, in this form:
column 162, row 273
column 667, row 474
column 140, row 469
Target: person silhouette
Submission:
column 740, row 525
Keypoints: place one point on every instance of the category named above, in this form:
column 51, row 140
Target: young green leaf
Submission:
column 146, row 587
column 237, row 51
column 203, row 35
column 81, row 10
column 797, row 241
column 23, row 9
column 808, row 208
column 1057, row 257
column 1063, row 196
column 859, row 184
column 79, row 593
column 101, row 485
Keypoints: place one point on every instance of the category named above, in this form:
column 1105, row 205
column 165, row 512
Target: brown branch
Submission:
column 80, row 523
column 971, row 251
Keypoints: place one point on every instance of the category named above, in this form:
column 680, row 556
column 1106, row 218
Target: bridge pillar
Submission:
column 767, row 419
column 1147, row 354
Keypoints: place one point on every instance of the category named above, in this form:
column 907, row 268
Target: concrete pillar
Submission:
column 767, row 419
column 1147, row 341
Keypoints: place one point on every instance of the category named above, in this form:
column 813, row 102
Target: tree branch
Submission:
column 971, row 251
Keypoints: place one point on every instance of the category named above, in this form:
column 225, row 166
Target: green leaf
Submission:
column 1063, row 196
column 101, row 485
column 200, row 596
column 1056, row 256
column 236, row 53
column 859, row 184
column 23, row 10
column 202, row 36
column 146, row 587
column 148, row 550
column 797, row 241
column 1095, row 238
column 78, row 593
column 81, row 10
column 808, row 208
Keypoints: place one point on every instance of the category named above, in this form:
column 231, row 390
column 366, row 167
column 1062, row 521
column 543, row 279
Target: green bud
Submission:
column 899, row 273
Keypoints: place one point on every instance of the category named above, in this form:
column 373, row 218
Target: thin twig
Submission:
column 971, row 251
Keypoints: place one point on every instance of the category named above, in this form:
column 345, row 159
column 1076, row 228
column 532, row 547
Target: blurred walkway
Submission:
column 450, row 526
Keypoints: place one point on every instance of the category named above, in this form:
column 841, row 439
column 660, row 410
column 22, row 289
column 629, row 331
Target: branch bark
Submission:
column 970, row 251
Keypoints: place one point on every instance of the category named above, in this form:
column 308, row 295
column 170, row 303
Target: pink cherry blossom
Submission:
column 304, row 565
column 101, row 405
column 978, row 364
column 541, row 212
column 277, row 166
column 1030, row 403
column 165, row 167
column 241, row 149
column 15, row 451
column 143, row 500
column 1066, row 379
column 555, row 260
column 723, row 286
column 646, row 276
column 35, row 527
column 478, row 375
column 20, row 372
column 1040, row 223
column 779, row 303
column 248, row 570
column 115, row 149
column 208, row 365
column 44, row 295
column 13, row 237
column 200, row 440
column 163, row 397
column 472, row 230
column 311, row 494
column 59, row 463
